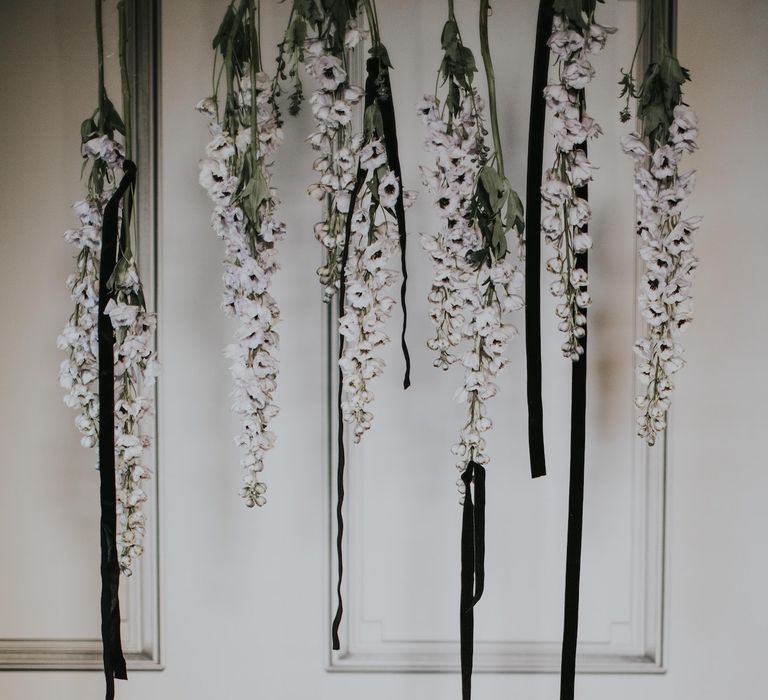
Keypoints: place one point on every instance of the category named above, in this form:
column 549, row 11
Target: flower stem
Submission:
column 373, row 21
column 124, row 79
column 100, row 53
column 488, row 63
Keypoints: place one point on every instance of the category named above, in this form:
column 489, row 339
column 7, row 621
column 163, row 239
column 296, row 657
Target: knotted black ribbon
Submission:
column 370, row 94
column 387, row 106
column 472, row 567
column 114, row 662
column 533, row 240
column 575, row 502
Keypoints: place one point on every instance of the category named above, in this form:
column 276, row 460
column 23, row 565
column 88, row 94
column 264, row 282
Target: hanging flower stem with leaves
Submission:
column 236, row 174
column 668, row 131
column 476, row 278
column 320, row 37
column 109, row 339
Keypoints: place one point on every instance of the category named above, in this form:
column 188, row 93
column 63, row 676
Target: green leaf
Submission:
column 219, row 41
column 373, row 122
column 515, row 212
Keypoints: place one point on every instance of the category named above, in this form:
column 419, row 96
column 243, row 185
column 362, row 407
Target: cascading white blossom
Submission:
column 468, row 302
column 343, row 150
column 373, row 242
column 565, row 214
column 244, row 219
column 135, row 363
column 666, row 248
column 338, row 144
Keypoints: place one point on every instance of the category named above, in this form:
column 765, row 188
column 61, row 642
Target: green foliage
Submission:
column 253, row 190
column 497, row 209
column 457, row 67
column 658, row 95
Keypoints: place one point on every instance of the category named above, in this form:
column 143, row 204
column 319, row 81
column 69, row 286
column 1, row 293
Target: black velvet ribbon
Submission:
column 472, row 567
column 533, row 240
column 387, row 107
column 575, row 503
column 114, row 662
column 370, row 94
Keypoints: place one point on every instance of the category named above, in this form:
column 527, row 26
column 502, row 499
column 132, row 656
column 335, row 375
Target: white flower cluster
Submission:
column 249, row 264
column 467, row 303
column 566, row 215
column 135, row 373
column 332, row 108
column 135, row 365
column 373, row 242
column 666, row 240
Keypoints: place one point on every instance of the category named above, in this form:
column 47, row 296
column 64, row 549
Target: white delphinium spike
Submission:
column 244, row 219
column 337, row 144
column 666, row 248
column 135, row 364
column 565, row 215
column 468, row 302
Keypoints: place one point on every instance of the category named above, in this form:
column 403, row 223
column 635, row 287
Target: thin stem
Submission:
column 373, row 21
column 255, row 68
column 258, row 25
column 488, row 63
column 125, row 231
column 451, row 14
column 100, row 52
column 124, row 78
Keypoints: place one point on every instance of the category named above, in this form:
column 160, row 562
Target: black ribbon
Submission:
column 575, row 503
column 387, row 107
column 472, row 567
column 114, row 662
column 370, row 95
column 533, row 240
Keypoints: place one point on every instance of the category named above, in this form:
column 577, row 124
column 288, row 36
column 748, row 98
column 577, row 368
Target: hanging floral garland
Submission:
column 111, row 366
column 476, row 277
column 575, row 35
column 320, row 37
column 363, row 224
column 245, row 131
column 669, row 129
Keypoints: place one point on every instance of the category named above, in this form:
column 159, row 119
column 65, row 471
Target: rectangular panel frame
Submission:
column 650, row 498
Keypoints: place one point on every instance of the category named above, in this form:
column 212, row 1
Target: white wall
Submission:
column 243, row 597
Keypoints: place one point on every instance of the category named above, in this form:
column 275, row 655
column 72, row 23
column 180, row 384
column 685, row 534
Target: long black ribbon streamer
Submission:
column 472, row 567
column 114, row 662
column 387, row 107
column 533, row 240
column 372, row 67
column 575, row 503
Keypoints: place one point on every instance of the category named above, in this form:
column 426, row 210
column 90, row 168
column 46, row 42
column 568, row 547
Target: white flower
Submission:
column 353, row 35
column 565, row 42
column 389, row 190
column 597, row 36
column 632, row 145
column 577, row 74
column 373, row 155
column 329, row 71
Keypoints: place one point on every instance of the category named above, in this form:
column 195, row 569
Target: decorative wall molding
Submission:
column 639, row 649
column 140, row 598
